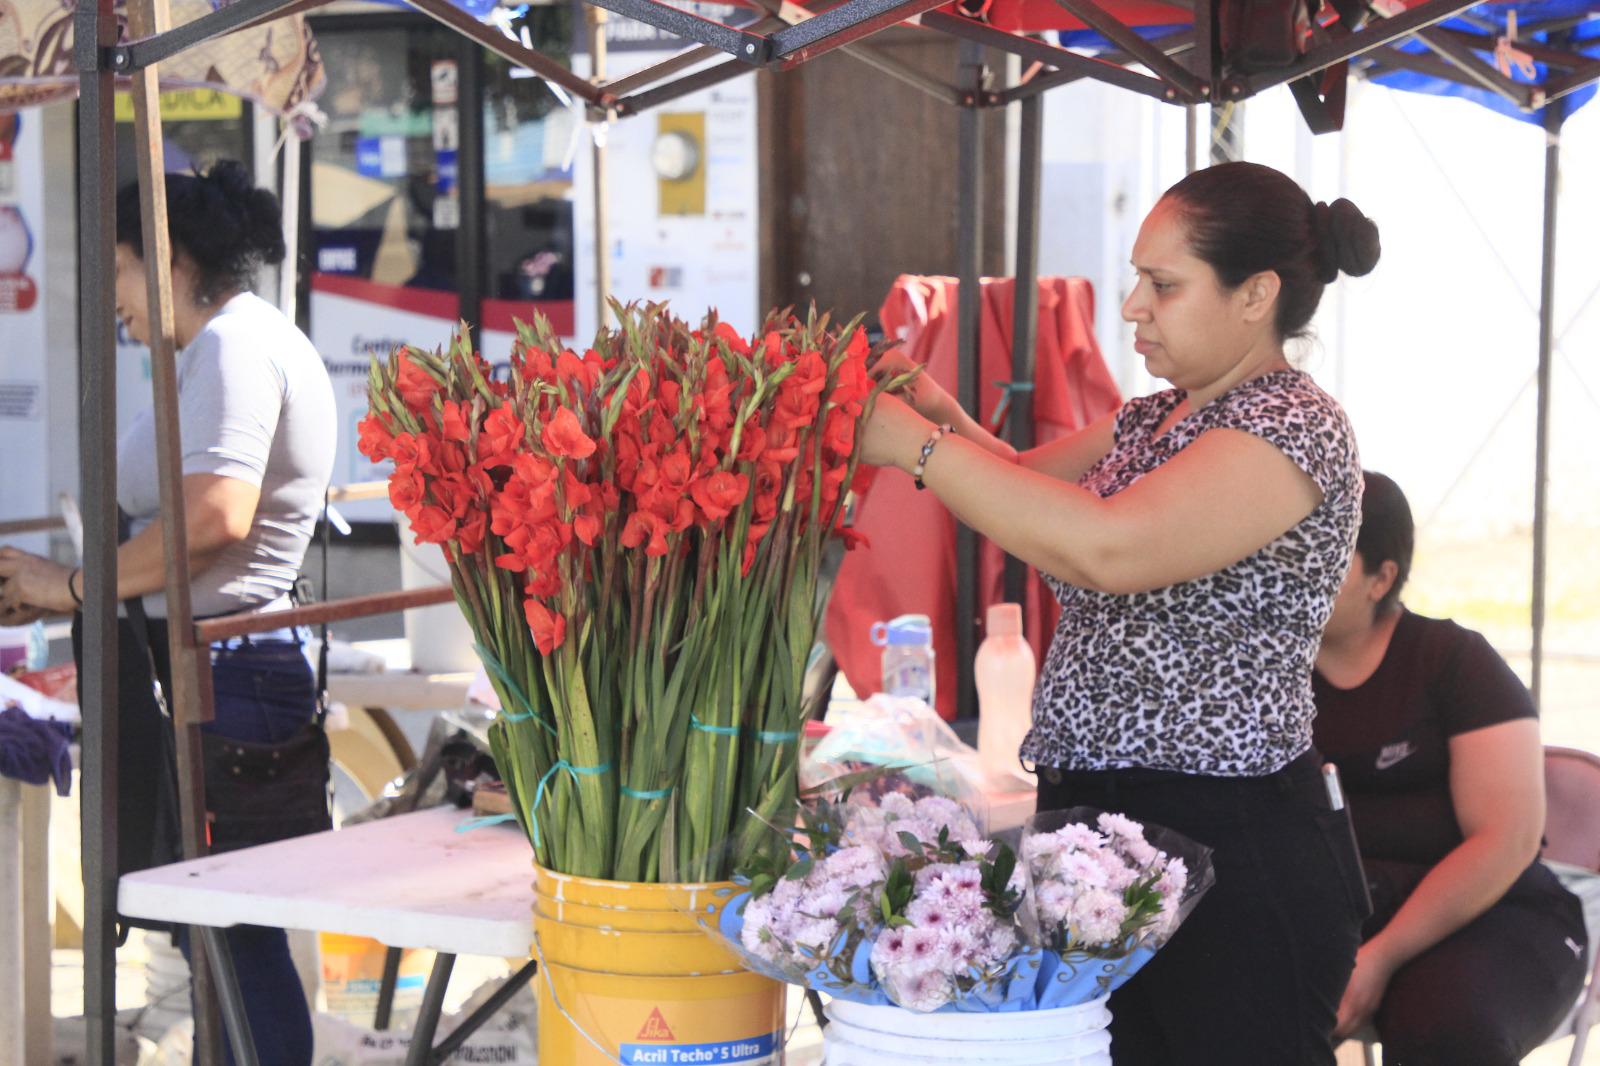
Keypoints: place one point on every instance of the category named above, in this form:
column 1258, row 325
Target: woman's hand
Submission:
column 923, row 393
column 1364, row 992
column 32, row 584
column 894, row 435
column 21, row 616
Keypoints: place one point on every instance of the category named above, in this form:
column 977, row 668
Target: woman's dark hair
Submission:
column 1244, row 218
column 225, row 226
column 1387, row 533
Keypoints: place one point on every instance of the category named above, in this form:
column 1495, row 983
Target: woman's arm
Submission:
column 218, row 512
column 1497, row 789
column 1219, row 500
column 1066, row 459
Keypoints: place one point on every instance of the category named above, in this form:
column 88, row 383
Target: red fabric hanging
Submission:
column 911, row 566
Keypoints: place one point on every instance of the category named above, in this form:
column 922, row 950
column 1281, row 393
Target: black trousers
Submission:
column 1492, row 991
column 1254, row 977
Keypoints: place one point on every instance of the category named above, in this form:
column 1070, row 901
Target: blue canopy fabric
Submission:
column 1585, row 38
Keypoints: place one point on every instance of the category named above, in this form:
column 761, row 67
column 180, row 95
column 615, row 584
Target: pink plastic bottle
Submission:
column 1004, row 672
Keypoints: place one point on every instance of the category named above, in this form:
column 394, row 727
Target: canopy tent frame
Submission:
column 1181, row 68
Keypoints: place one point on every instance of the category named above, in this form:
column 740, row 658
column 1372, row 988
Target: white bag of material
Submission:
column 508, row 1038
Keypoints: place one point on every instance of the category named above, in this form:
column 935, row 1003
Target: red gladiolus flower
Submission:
column 376, row 439
column 795, row 407
column 586, row 527
column 676, row 470
column 433, row 525
column 572, row 371
column 534, row 363
column 453, row 421
column 502, row 435
column 774, row 350
column 839, row 432
column 416, row 386
column 730, row 336
column 405, row 491
column 549, row 628
column 645, row 528
column 670, row 395
column 852, row 385
column 545, row 585
column 576, row 492
column 720, row 493
column 564, row 436
column 471, row 534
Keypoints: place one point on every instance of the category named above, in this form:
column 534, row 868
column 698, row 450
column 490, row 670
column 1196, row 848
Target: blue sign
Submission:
column 369, row 157
column 449, row 172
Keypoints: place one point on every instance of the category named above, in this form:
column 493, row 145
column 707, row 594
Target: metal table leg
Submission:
column 226, row 980
column 391, row 977
column 501, row 997
column 421, row 1053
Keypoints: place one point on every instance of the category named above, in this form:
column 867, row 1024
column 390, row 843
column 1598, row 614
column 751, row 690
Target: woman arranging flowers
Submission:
column 1196, row 540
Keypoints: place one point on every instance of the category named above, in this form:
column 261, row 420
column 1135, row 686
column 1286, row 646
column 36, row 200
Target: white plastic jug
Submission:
column 1004, row 672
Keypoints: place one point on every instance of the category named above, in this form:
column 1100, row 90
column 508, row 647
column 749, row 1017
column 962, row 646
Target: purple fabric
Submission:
column 35, row 751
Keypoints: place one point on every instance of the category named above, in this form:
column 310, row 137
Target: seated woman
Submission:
column 1474, row 952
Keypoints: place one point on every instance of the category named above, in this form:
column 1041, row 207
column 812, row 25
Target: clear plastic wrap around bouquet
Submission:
column 1108, row 893
column 895, row 900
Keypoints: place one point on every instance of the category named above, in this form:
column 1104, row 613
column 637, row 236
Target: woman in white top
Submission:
column 257, row 424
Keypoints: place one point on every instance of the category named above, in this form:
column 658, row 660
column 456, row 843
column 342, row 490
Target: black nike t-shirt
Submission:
column 1390, row 735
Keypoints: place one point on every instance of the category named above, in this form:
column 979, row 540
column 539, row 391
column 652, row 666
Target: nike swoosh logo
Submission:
column 1393, row 754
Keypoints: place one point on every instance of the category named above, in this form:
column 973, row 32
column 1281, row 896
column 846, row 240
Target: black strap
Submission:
column 322, row 591
column 139, row 621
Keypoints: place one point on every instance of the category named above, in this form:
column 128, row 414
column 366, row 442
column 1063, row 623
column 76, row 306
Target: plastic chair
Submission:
column 1572, row 840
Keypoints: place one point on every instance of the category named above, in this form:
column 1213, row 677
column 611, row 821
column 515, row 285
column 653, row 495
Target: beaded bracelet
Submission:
column 927, row 450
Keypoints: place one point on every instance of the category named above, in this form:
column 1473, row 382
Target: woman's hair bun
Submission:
column 260, row 220
column 1347, row 240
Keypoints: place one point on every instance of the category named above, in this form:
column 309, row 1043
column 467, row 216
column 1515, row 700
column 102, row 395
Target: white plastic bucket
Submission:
column 860, row 1035
column 440, row 638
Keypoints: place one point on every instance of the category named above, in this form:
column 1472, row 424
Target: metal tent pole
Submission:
column 1554, row 115
column 1025, row 306
column 969, row 322
column 95, row 31
column 602, row 251
column 190, row 707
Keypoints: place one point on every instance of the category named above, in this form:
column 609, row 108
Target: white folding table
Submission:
column 411, row 881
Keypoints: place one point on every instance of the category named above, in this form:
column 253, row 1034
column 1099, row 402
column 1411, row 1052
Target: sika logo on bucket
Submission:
column 655, row 1027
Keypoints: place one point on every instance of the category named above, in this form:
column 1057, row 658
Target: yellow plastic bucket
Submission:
column 629, row 967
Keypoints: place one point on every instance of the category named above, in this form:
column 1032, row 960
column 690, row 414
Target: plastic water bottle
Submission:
column 907, row 644
column 1004, row 672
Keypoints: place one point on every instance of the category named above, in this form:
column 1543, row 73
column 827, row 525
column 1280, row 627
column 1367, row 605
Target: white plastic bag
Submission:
column 509, row 1038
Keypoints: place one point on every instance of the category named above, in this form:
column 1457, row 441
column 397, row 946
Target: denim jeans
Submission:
column 265, row 691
